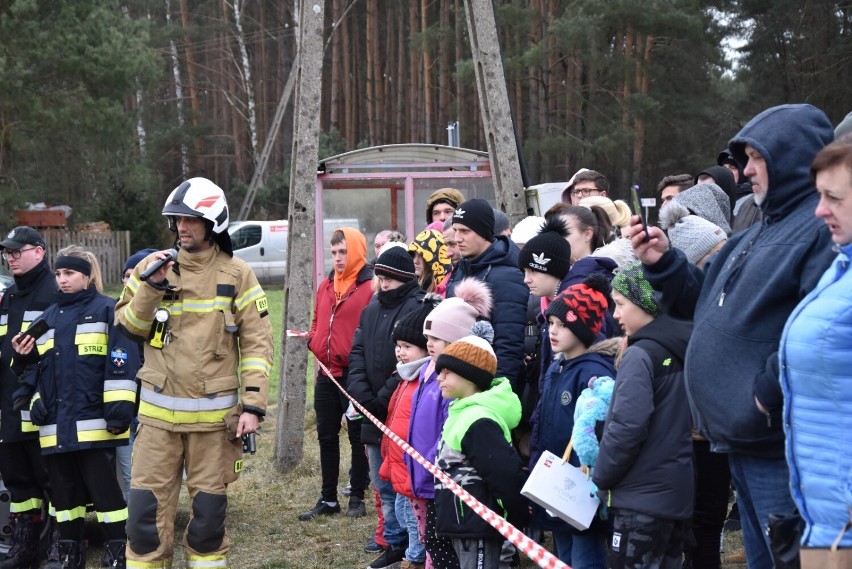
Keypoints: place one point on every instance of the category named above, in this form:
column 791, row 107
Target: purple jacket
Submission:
column 428, row 414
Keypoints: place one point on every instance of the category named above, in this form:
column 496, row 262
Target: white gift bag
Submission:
column 562, row 489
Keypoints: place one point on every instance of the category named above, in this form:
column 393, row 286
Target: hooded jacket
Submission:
column 497, row 266
column 742, row 299
column 476, row 452
column 645, row 458
column 816, row 372
column 372, row 361
column 723, row 178
column 22, row 304
column 429, row 412
column 335, row 321
column 553, row 419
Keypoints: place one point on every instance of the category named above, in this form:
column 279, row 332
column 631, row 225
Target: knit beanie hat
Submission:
column 691, row 234
column 134, row 259
column 526, row 229
column 454, row 317
column 472, row 358
column 409, row 328
column 446, row 195
column 478, row 216
column 582, row 307
column 709, row 201
column 631, row 282
column 430, row 244
column 395, row 263
column 548, row 252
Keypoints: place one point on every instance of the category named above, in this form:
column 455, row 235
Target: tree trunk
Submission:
column 427, row 73
column 178, row 83
column 191, row 74
column 248, row 86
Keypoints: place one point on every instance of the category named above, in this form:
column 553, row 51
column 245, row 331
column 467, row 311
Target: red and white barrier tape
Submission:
column 542, row 557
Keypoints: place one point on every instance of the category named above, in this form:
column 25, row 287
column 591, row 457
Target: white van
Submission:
column 263, row 245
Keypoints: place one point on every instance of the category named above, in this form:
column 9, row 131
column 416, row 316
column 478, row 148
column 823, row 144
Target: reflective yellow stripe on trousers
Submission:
column 162, row 564
column 218, row 561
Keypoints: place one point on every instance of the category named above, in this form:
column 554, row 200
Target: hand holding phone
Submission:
column 37, row 329
column 637, row 206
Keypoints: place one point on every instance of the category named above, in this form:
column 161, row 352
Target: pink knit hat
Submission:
column 453, row 319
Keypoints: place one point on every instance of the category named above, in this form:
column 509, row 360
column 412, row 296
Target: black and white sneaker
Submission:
column 390, row 559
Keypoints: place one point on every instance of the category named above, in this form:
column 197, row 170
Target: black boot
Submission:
column 72, row 555
column 114, row 553
column 53, row 541
column 23, row 553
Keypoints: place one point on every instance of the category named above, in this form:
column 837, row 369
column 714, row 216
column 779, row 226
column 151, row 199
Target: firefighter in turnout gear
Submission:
column 207, row 342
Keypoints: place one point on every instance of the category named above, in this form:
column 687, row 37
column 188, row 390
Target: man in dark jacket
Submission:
column 739, row 305
column 494, row 260
column 372, row 381
column 21, row 463
column 341, row 297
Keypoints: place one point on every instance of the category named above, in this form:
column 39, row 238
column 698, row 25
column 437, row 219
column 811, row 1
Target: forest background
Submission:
column 105, row 105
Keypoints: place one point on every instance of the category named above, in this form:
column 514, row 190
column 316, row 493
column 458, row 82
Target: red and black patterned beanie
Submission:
column 582, row 307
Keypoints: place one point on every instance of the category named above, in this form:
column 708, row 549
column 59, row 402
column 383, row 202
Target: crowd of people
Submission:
column 724, row 334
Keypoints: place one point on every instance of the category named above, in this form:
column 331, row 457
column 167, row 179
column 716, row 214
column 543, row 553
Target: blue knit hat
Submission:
column 134, row 259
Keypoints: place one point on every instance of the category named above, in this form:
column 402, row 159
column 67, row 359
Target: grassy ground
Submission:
column 264, row 505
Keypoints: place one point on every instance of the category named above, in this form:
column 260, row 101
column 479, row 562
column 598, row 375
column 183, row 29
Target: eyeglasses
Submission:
column 585, row 192
column 15, row 253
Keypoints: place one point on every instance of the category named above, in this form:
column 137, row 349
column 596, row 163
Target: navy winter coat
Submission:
column 498, row 268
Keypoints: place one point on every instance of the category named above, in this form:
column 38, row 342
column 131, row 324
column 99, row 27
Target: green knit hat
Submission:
column 631, row 282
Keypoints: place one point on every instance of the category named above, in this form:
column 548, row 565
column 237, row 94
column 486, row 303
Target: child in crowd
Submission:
column 575, row 318
column 451, row 320
column 476, row 451
column 371, row 382
column 411, row 355
column 644, row 469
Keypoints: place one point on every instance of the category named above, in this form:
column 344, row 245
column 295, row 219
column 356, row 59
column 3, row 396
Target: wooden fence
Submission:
column 112, row 248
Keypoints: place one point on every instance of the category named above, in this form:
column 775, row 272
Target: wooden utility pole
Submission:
column 496, row 113
column 289, row 434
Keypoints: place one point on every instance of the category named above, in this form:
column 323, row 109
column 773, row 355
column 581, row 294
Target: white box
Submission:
column 563, row 490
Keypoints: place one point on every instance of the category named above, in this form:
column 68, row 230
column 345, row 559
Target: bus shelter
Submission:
column 386, row 187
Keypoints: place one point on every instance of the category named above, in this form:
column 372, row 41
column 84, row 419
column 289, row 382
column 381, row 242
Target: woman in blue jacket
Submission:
column 83, row 397
column 816, row 369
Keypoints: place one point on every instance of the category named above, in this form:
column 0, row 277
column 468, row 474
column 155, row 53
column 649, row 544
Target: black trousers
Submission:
column 712, row 481
column 78, row 477
column 330, row 405
column 25, row 474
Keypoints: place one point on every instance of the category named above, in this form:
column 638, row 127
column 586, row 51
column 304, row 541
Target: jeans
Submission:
column 395, row 534
column 330, row 405
column 581, row 551
column 416, row 550
column 763, row 488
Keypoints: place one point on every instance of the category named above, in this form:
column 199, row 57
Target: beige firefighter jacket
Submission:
column 216, row 349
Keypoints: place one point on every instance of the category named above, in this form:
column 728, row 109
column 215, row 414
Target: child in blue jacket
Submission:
column 575, row 318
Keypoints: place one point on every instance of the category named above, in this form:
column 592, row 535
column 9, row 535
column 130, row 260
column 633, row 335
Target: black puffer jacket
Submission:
column 22, row 302
column 372, row 361
column 645, row 460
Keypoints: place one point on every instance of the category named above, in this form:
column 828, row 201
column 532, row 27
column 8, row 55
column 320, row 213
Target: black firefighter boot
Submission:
column 23, row 553
column 53, row 541
column 72, row 555
column 114, row 554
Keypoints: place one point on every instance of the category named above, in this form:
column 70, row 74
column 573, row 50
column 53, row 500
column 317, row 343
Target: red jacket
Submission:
column 334, row 324
column 393, row 466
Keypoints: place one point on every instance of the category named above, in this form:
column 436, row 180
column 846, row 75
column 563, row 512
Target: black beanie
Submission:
column 395, row 263
column 478, row 216
column 409, row 328
column 548, row 252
